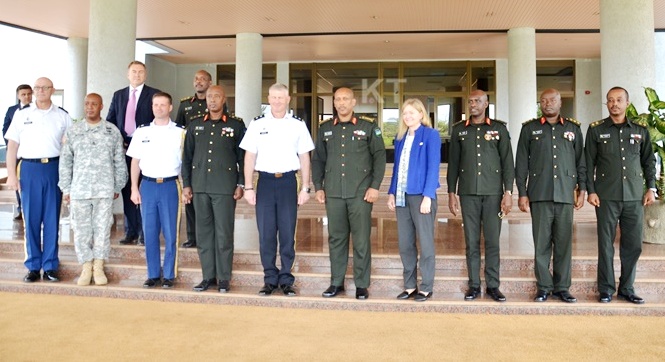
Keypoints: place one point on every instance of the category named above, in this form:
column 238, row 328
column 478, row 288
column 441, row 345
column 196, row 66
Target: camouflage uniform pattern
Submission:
column 92, row 170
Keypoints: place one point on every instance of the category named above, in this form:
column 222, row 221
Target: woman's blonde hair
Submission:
column 420, row 107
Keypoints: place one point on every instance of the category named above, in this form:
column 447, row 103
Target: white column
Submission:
column 627, row 55
column 249, row 62
column 502, row 99
column 77, row 49
column 587, row 90
column 659, row 45
column 282, row 75
column 522, row 87
column 111, row 46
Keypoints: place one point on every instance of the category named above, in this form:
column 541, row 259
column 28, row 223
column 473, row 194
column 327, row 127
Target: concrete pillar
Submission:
column 111, row 46
column 627, row 55
column 501, row 100
column 659, row 45
column 283, row 73
column 249, row 69
column 522, row 87
column 75, row 91
column 587, row 90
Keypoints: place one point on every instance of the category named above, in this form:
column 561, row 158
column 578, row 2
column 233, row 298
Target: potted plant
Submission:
column 654, row 121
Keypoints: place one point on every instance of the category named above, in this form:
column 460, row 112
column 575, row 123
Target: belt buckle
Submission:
column 159, row 180
column 44, row 160
column 278, row 174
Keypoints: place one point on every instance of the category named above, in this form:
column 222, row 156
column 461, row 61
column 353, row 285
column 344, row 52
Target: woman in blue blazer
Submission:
column 412, row 194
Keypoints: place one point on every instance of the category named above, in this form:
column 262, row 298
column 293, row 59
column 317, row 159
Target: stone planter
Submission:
column 654, row 223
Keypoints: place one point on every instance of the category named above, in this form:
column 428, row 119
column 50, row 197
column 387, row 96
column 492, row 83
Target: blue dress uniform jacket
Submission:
column 550, row 160
column 481, row 159
column 425, row 155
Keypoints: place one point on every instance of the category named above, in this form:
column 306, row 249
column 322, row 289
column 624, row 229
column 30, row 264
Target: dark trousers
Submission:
column 630, row 215
column 41, row 208
column 411, row 223
column 552, row 231
column 161, row 213
column 132, row 211
column 482, row 212
column 352, row 216
column 190, row 216
column 276, row 213
column 214, row 224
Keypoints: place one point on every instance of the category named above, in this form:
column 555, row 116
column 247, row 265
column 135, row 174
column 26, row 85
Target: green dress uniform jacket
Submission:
column 550, row 160
column 621, row 156
column 481, row 159
column 348, row 158
column 190, row 109
column 213, row 161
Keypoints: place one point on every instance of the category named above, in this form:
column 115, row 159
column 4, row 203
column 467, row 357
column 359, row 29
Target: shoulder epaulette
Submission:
column 367, row 119
column 296, row 117
column 64, row 110
column 185, row 99
column 458, row 122
column 499, row 121
column 637, row 123
column 574, row 121
column 232, row 115
column 325, row 120
column 529, row 121
column 259, row 117
column 180, row 126
column 597, row 123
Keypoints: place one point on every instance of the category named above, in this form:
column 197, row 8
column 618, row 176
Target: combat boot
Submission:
column 98, row 269
column 86, row 274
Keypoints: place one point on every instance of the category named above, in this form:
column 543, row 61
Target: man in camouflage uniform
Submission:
column 549, row 166
column 191, row 109
column 348, row 166
column 92, row 173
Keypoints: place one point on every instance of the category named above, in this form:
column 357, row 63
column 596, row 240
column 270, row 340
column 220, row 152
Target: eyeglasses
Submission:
column 44, row 88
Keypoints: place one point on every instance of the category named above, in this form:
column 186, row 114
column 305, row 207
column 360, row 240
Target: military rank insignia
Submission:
column 570, row 136
column 635, row 138
column 492, row 136
column 227, row 132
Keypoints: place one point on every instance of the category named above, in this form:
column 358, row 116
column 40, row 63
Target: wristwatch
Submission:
column 306, row 189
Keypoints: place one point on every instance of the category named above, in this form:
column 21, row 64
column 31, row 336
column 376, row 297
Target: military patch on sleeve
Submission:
column 377, row 132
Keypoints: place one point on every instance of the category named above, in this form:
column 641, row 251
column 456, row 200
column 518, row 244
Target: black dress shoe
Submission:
column 151, row 282
column 32, row 276
column 141, row 240
column 605, row 297
column 128, row 240
column 167, row 283
column 332, row 291
column 406, row 295
column 224, row 286
column 631, row 298
column 362, row 293
column 204, row 285
column 565, row 296
column 288, row 290
column 189, row 244
column 496, row 294
column 267, row 289
column 472, row 294
column 50, row 276
column 420, row 297
column 541, row 296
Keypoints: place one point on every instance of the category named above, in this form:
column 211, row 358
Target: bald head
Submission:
column 550, row 103
column 215, row 98
column 477, row 105
column 43, row 91
column 93, row 107
column 344, row 101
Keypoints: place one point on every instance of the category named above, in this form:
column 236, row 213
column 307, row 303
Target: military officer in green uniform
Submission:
column 481, row 171
column 191, row 109
column 620, row 155
column 212, row 158
column 549, row 166
column 348, row 166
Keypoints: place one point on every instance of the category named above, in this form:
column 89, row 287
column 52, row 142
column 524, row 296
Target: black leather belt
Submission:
column 41, row 160
column 160, row 180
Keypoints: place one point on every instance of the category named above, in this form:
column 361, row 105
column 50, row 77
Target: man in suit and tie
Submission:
column 131, row 107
